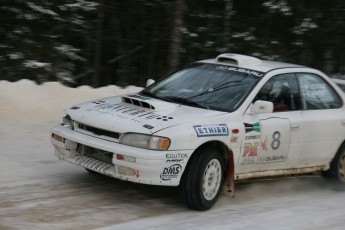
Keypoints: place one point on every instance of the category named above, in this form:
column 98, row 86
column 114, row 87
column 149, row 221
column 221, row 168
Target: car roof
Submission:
column 249, row 62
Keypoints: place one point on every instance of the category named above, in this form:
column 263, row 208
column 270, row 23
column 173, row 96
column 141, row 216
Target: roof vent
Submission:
column 238, row 60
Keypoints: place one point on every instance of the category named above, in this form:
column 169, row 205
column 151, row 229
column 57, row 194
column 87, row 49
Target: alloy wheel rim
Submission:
column 342, row 167
column 211, row 179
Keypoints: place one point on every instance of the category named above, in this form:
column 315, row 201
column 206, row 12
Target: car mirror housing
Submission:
column 149, row 82
column 262, row 107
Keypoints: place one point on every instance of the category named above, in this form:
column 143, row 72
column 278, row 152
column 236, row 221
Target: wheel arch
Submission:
column 227, row 154
column 341, row 147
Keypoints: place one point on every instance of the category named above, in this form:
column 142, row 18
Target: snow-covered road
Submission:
column 37, row 191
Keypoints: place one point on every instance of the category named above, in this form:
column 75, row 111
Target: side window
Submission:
column 282, row 90
column 316, row 93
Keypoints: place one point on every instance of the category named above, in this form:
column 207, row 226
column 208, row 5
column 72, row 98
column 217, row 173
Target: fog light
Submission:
column 125, row 158
column 125, row 170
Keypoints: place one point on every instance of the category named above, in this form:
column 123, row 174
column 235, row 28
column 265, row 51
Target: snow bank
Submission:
column 25, row 96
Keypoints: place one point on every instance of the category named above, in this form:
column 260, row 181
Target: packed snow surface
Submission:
column 37, row 191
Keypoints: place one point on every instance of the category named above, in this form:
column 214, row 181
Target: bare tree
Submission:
column 99, row 45
column 176, row 36
column 227, row 22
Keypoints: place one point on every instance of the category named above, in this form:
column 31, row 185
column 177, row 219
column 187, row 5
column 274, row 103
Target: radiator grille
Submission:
column 97, row 131
column 96, row 154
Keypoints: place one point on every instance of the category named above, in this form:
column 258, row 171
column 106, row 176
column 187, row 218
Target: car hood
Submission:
column 136, row 113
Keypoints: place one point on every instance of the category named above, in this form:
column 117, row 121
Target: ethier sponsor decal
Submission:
column 211, row 130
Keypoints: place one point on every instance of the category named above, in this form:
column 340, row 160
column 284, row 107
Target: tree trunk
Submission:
column 176, row 38
column 227, row 23
column 99, row 45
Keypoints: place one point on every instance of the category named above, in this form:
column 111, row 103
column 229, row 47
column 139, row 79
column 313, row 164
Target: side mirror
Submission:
column 262, row 107
column 149, row 82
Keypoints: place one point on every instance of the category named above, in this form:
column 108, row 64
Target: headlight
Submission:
column 145, row 141
column 67, row 122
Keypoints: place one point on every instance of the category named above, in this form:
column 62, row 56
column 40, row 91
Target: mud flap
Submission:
column 229, row 180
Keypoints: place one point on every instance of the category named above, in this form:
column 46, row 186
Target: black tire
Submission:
column 337, row 168
column 206, row 164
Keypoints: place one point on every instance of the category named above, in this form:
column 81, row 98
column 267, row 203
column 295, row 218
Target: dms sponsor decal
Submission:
column 171, row 172
column 211, row 130
column 252, row 127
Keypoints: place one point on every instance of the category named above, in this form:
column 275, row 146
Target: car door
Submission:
column 272, row 140
column 324, row 120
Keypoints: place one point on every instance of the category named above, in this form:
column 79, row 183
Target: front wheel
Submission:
column 203, row 180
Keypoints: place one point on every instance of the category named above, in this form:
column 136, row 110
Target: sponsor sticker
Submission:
column 234, row 139
column 256, row 127
column 241, row 70
column 171, row 172
column 211, row 130
column 250, row 149
column 176, row 155
column 264, row 144
column 175, row 160
column 252, row 137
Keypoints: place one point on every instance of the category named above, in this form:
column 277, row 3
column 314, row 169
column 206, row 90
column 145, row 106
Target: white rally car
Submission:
column 211, row 124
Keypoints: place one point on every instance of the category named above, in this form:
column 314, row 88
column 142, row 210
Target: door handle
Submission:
column 295, row 127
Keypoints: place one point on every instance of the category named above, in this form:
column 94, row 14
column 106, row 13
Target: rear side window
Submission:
column 316, row 93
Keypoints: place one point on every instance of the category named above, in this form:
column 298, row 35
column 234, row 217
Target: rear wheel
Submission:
column 203, row 180
column 337, row 169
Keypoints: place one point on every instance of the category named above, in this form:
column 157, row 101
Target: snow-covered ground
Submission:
column 37, row 191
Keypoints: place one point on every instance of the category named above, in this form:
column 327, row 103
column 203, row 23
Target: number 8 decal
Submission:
column 276, row 140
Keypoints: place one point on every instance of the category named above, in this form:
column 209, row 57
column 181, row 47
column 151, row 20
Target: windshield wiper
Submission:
column 147, row 93
column 150, row 94
column 185, row 101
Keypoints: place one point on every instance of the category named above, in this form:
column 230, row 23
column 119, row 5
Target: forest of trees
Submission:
column 122, row 42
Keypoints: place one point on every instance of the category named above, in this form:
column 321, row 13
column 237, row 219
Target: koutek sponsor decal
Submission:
column 171, row 172
column 211, row 130
column 176, row 155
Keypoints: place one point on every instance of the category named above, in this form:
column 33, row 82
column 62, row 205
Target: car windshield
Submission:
column 206, row 85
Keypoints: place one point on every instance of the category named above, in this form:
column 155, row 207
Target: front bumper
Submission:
column 127, row 162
